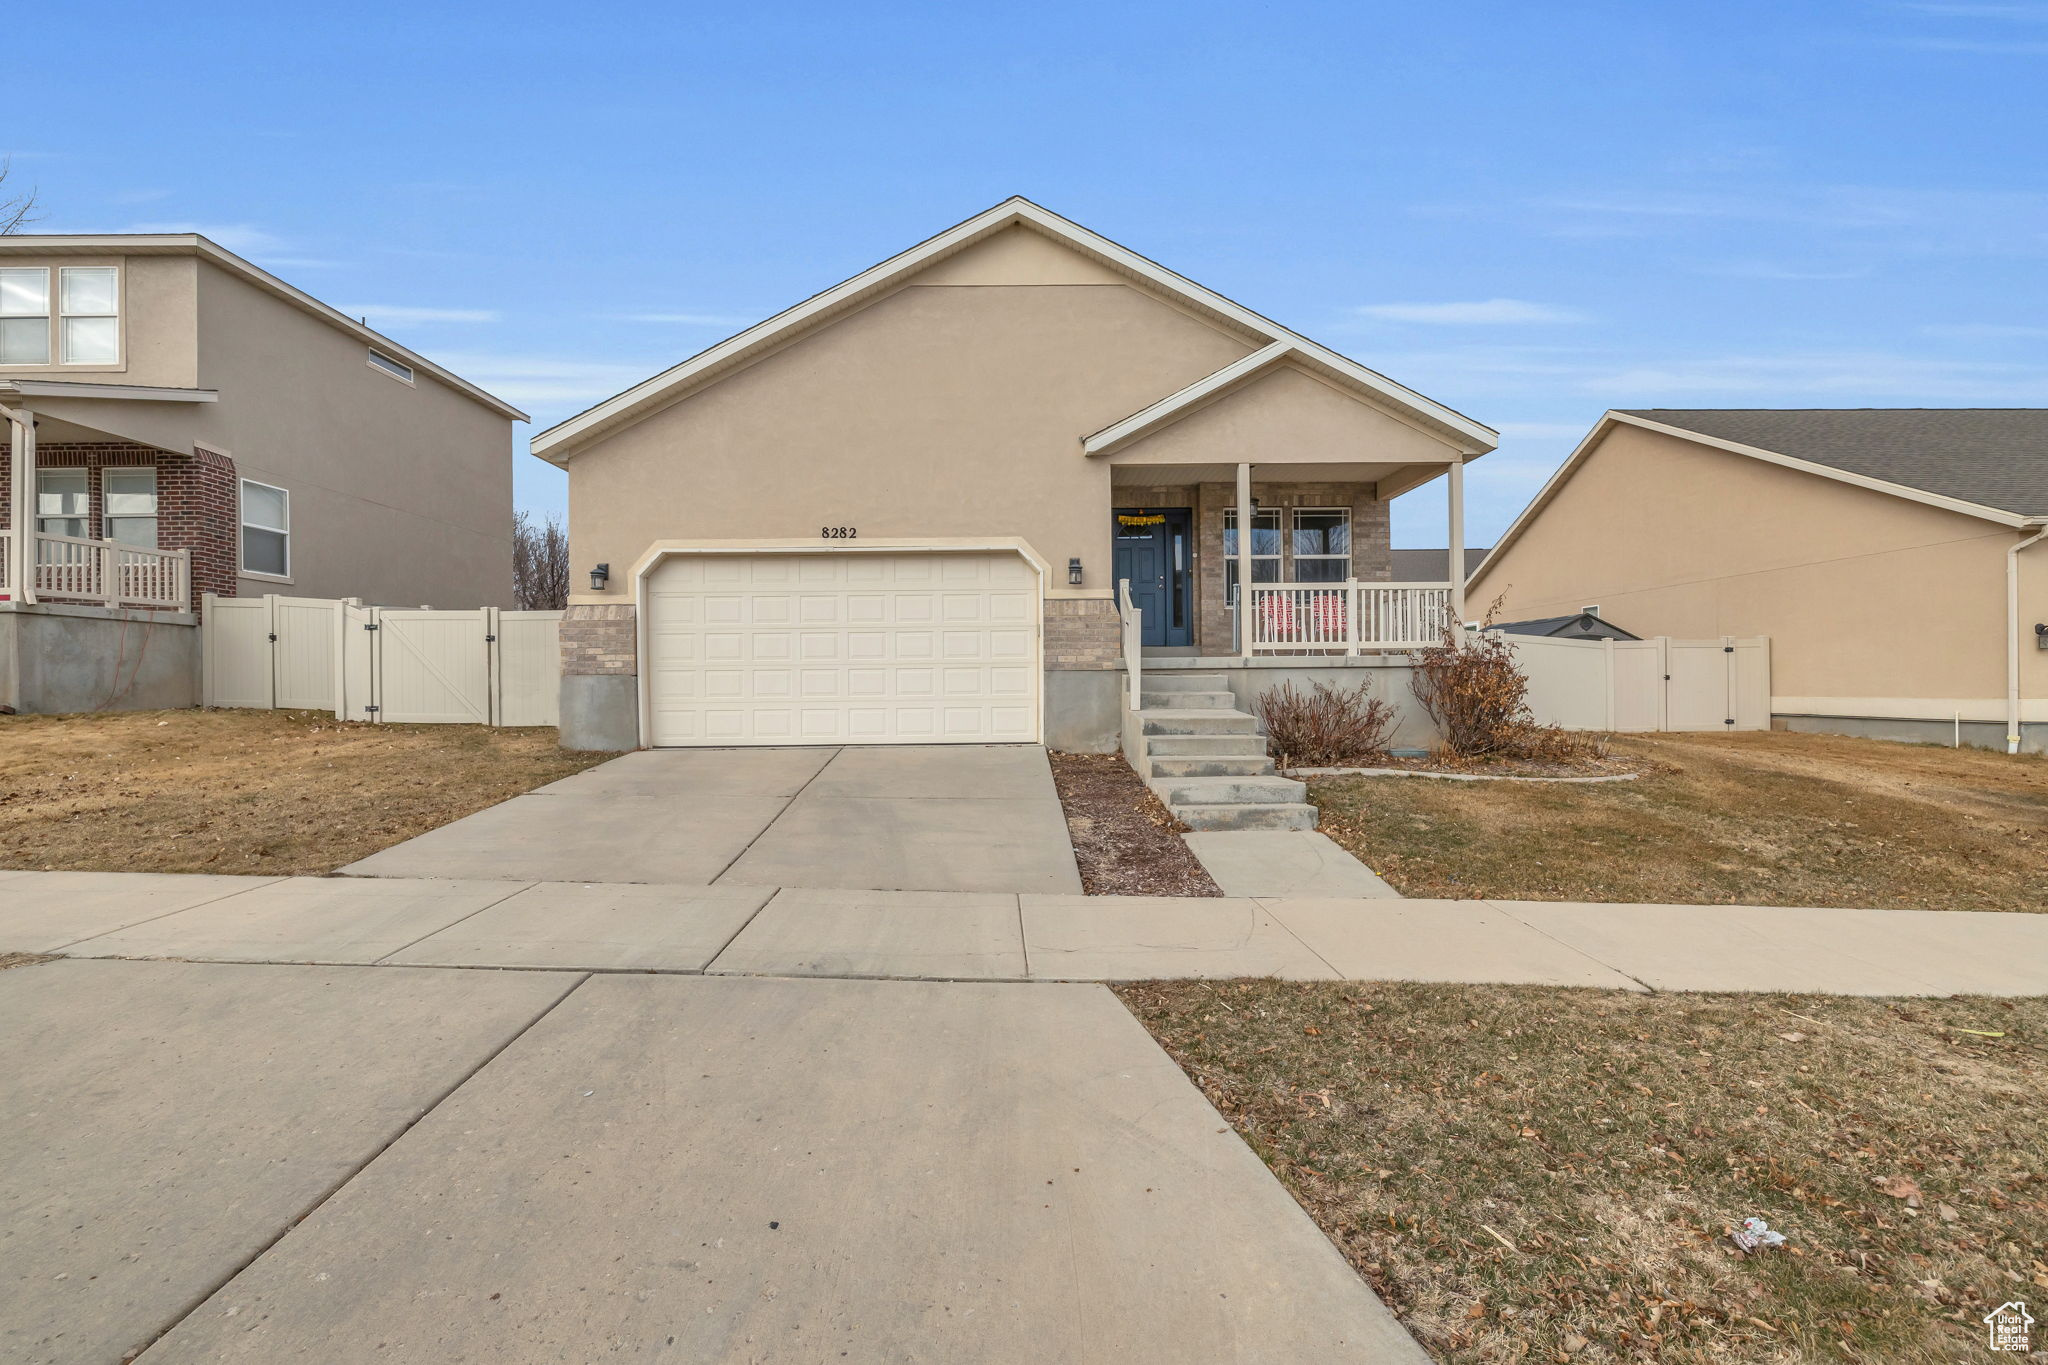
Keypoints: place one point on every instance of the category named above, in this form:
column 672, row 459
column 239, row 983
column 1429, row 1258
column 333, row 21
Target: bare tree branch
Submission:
column 16, row 211
column 540, row 563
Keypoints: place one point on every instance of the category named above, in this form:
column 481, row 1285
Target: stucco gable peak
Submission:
column 560, row 442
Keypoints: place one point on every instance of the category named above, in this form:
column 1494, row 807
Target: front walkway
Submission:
column 1004, row 936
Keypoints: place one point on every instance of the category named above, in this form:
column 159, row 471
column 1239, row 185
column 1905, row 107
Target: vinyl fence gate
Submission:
column 1659, row 684
column 486, row 666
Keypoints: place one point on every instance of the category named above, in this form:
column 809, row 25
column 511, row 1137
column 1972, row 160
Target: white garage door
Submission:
column 843, row 647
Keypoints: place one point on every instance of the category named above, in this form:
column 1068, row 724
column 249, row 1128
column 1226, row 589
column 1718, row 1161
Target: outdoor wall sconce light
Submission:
column 1074, row 572
column 598, row 577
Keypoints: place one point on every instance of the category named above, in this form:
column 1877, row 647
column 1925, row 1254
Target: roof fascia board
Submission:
column 60, row 388
column 180, row 243
column 557, row 442
column 1611, row 419
column 1160, row 413
column 1897, row 490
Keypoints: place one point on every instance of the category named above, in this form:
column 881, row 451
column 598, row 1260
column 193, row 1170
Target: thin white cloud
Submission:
column 1984, row 331
column 690, row 319
column 400, row 312
column 1476, row 313
column 1768, row 270
column 2025, row 14
column 240, row 238
column 2018, row 47
column 545, row 381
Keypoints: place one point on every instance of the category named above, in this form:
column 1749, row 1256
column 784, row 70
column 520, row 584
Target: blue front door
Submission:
column 1152, row 554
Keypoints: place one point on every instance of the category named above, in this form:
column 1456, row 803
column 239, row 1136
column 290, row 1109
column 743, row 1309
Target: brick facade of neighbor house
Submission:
column 600, row 640
column 196, row 501
column 1082, row 633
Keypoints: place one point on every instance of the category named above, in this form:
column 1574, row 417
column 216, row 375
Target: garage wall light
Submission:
column 599, row 576
column 1074, row 572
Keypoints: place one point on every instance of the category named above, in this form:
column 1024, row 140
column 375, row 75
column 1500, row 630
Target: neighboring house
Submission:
column 1581, row 625
column 179, row 422
column 900, row 511
column 1892, row 556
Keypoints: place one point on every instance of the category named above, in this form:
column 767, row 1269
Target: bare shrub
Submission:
column 1472, row 687
column 540, row 563
column 1326, row 727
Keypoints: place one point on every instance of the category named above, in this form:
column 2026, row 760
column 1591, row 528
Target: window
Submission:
column 89, row 301
column 128, row 506
column 396, row 368
column 25, row 316
column 266, row 529
column 1322, row 545
column 1265, row 547
column 63, row 502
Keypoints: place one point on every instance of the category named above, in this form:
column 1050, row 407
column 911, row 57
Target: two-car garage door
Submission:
column 842, row 647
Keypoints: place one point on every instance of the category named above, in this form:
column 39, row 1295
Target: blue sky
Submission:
column 1532, row 212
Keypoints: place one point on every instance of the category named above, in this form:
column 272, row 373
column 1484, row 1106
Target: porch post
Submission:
column 21, row 553
column 1457, row 502
column 1244, row 560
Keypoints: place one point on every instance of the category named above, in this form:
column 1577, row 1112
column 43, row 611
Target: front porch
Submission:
column 92, row 516
column 1318, row 560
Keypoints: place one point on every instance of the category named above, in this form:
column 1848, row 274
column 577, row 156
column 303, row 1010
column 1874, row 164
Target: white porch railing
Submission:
column 1344, row 618
column 1131, row 619
column 110, row 573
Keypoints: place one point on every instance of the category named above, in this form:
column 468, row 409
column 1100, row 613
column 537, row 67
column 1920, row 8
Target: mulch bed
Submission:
column 1126, row 842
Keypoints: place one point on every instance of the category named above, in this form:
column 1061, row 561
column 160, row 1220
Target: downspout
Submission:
column 2012, row 638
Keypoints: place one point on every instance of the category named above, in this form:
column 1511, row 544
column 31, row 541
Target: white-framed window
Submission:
column 63, row 502
column 266, row 530
column 128, row 506
column 1265, row 547
column 397, row 369
column 89, row 315
column 25, row 315
column 1322, row 544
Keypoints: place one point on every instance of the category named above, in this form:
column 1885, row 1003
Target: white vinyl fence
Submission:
column 481, row 667
column 1646, row 685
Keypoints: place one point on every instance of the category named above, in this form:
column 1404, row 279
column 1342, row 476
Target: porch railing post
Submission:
column 107, row 563
column 183, row 573
column 1353, row 629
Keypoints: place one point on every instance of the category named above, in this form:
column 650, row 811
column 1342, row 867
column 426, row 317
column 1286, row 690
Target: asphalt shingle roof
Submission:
column 1994, row 457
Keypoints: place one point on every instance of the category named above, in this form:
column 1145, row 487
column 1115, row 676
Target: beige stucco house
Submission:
column 178, row 421
column 901, row 511
column 1893, row 557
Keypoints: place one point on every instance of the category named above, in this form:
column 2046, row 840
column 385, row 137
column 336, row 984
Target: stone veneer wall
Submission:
column 600, row 640
column 1082, row 634
column 197, row 501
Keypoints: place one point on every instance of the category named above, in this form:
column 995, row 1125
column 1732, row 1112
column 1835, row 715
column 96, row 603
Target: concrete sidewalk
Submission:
column 761, row 931
column 262, row 1163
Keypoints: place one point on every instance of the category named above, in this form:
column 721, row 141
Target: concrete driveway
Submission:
column 913, row 818
column 418, row 1165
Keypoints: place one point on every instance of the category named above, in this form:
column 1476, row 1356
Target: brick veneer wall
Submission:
column 600, row 639
column 1082, row 633
column 196, row 501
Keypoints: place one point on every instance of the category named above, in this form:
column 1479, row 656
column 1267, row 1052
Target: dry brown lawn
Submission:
column 1540, row 1174
column 279, row 792
column 1755, row 819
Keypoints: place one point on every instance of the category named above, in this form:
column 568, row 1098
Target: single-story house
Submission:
column 176, row 422
column 1893, row 557
column 903, row 510
column 1579, row 625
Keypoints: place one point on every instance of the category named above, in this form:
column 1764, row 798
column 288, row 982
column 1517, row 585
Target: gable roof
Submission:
column 1993, row 457
column 559, row 442
column 1580, row 625
column 193, row 244
column 1935, row 448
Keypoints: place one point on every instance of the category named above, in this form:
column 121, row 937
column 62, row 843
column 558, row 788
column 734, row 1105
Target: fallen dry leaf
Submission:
column 1899, row 1187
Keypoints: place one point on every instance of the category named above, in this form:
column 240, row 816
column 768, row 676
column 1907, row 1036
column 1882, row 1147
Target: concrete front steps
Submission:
column 1209, row 762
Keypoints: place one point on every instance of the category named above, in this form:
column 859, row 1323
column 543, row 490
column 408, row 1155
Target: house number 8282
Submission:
column 837, row 532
